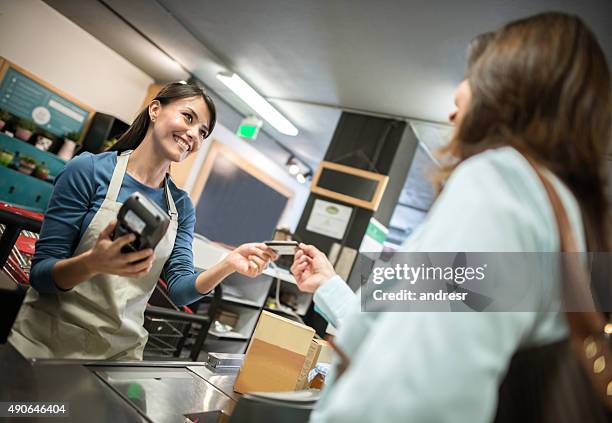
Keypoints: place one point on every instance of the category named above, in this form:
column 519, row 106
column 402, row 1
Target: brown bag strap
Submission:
column 587, row 328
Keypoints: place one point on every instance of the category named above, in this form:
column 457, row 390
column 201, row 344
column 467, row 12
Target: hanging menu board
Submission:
column 26, row 96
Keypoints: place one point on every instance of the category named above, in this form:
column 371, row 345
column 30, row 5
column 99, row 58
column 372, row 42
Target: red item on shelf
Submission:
column 26, row 244
column 18, row 210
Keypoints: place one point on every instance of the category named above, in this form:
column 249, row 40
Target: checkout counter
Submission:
column 148, row 391
column 103, row 391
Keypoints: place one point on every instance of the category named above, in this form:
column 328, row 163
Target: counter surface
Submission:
column 117, row 391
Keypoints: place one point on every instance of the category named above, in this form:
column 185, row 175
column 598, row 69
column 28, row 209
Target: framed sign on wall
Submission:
column 354, row 186
column 26, row 96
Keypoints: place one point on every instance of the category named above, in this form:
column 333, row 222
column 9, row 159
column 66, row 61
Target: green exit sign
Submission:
column 249, row 127
column 248, row 131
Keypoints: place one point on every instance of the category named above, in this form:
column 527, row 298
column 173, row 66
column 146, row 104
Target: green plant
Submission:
column 6, row 157
column 5, row 116
column 28, row 159
column 74, row 136
column 40, row 167
column 108, row 144
column 26, row 124
column 41, row 171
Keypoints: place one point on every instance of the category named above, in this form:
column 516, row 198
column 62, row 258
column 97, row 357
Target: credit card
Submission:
column 283, row 248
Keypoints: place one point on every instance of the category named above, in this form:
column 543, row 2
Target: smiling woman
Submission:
column 176, row 102
column 99, row 293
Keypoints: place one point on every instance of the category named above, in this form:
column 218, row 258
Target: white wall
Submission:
column 38, row 38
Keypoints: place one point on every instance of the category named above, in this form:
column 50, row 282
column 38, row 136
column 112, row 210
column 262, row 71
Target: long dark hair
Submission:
column 543, row 87
column 168, row 94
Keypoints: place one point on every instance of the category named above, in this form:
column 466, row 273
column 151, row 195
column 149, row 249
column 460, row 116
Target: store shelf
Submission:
column 244, row 296
column 303, row 299
column 53, row 161
column 228, row 335
column 247, row 319
column 227, row 345
column 24, row 190
column 242, row 301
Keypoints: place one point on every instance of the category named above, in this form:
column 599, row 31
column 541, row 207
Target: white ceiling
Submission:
column 314, row 58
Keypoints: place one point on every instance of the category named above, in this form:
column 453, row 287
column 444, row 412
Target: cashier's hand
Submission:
column 311, row 268
column 251, row 259
column 106, row 256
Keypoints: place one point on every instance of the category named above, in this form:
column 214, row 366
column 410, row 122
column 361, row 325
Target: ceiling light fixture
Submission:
column 257, row 103
column 303, row 177
column 294, row 169
column 293, row 166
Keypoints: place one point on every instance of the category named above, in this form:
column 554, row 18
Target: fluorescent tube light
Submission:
column 257, row 103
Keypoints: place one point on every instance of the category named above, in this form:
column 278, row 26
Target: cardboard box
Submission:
column 312, row 358
column 326, row 353
column 276, row 356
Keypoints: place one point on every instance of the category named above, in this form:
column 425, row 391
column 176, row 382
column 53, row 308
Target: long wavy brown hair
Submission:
column 542, row 86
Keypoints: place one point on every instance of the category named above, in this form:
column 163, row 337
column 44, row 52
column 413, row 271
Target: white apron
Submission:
column 100, row 318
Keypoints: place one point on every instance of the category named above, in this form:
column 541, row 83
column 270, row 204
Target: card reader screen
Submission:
column 134, row 222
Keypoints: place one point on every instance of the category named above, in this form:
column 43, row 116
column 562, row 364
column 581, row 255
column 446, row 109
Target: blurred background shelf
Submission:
column 228, row 335
column 244, row 298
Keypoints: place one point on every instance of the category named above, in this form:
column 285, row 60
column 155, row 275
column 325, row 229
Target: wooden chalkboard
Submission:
column 26, row 96
column 349, row 184
column 237, row 203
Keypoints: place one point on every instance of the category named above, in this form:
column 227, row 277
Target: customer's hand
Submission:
column 106, row 256
column 250, row 259
column 311, row 268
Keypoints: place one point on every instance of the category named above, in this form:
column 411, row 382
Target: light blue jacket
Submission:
column 446, row 367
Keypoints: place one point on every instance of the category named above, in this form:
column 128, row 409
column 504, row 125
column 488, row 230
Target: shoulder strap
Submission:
column 169, row 200
column 586, row 325
column 118, row 173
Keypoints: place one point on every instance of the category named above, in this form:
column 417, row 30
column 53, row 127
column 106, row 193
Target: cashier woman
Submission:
column 88, row 298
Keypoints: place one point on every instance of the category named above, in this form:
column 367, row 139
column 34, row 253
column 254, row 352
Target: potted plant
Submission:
column 4, row 118
column 6, row 157
column 70, row 142
column 44, row 140
column 41, row 171
column 27, row 165
column 24, row 129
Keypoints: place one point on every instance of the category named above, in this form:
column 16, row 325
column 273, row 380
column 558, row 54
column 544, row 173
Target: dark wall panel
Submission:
column 235, row 207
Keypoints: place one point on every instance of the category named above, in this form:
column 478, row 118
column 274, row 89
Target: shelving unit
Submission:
column 244, row 296
column 245, row 326
column 26, row 190
column 303, row 299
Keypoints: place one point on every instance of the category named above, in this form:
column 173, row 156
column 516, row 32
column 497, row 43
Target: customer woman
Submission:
column 88, row 298
column 541, row 90
column 332, row 296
